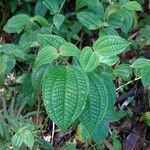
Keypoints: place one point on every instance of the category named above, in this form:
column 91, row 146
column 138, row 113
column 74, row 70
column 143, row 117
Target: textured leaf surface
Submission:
column 123, row 71
column 38, row 74
column 69, row 49
column 110, row 45
column 52, row 5
column 14, row 51
column 89, row 20
column 111, row 90
column 97, row 103
column 65, row 92
column 17, row 23
column 89, row 60
column 108, row 60
column 46, row 56
column 49, row 39
column 100, row 133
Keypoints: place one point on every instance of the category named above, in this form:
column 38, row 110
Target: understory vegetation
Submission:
column 74, row 74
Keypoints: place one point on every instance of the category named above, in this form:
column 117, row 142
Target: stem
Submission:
column 124, row 85
column 61, row 6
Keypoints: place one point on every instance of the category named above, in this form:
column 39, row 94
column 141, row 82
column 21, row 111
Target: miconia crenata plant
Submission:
column 73, row 58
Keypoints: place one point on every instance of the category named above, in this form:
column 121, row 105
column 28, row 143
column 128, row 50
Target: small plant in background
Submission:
column 69, row 60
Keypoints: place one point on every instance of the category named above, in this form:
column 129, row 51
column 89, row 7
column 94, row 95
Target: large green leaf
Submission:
column 110, row 45
column 97, row 103
column 89, row 20
column 46, row 56
column 65, row 91
column 89, row 60
column 49, row 39
column 17, row 23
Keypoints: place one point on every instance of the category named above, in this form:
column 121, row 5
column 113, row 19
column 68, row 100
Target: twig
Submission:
column 124, row 85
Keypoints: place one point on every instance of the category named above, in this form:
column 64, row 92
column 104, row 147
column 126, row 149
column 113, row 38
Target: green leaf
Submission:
column 117, row 144
column 13, row 50
column 40, row 8
column 38, row 75
column 108, row 31
column 145, row 76
column 89, row 60
column 65, row 92
column 123, row 71
column 8, row 63
column 110, row 45
column 69, row 49
column 89, row 20
column 17, row 23
column 97, row 103
column 100, row 133
column 80, row 4
column 58, row 20
column 133, row 6
column 41, row 20
column 52, row 5
column 111, row 90
column 49, row 39
column 46, row 56
column 109, row 60
column 144, row 32
column 140, row 63
column 23, row 135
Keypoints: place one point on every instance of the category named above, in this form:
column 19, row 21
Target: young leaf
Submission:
column 49, row 39
column 65, row 92
column 58, row 20
column 69, row 49
column 46, row 56
column 89, row 20
column 97, row 103
column 89, row 60
column 133, row 6
column 110, row 45
column 17, row 23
